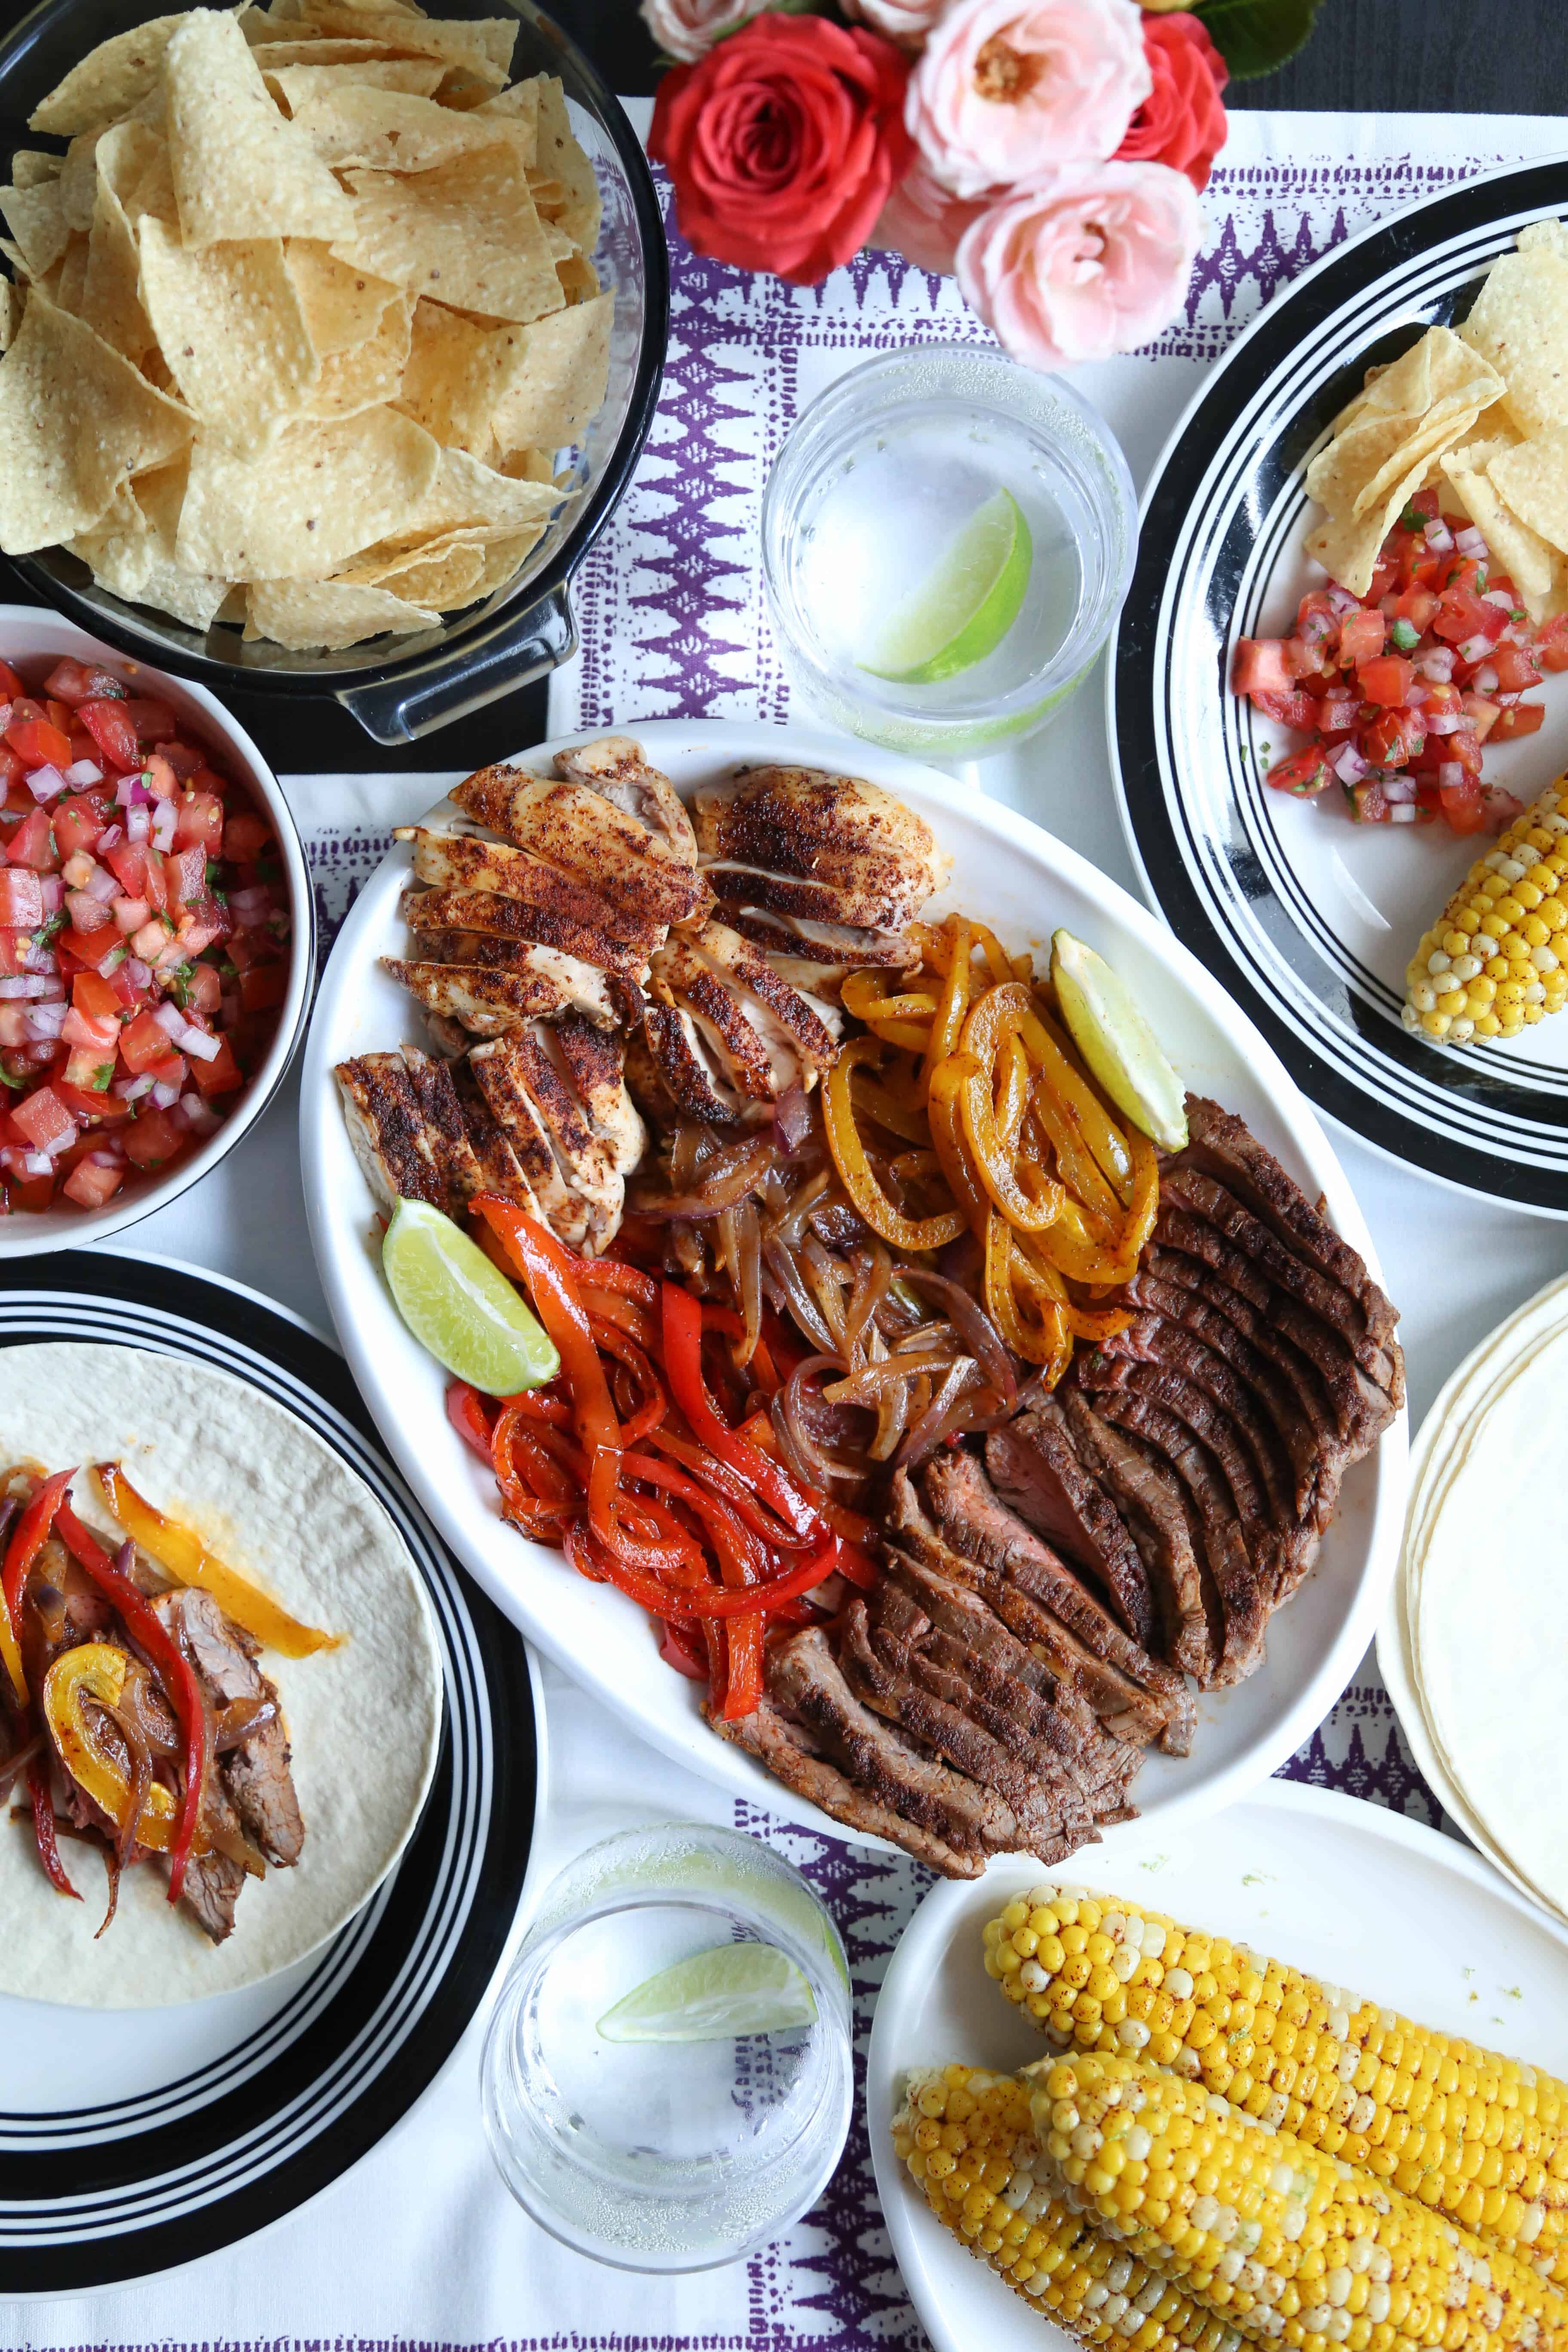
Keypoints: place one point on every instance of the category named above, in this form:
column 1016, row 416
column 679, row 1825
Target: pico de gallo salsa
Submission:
column 1399, row 691
column 144, row 938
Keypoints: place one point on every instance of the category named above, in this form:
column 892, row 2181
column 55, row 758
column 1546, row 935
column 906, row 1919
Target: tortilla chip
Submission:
column 1402, row 410
column 137, row 561
column 300, row 509
column 342, row 307
column 37, row 219
column 54, row 484
column 69, row 281
column 298, row 85
column 30, row 167
column 78, row 180
column 560, row 156
column 1531, row 479
column 464, row 232
column 333, row 613
column 526, row 465
column 1519, row 552
column 1347, row 545
column 133, row 160
column 443, row 580
column 519, row 105
column 504, row 558
column 1446, row 423
column 1519, row 321
column 11, row 300
column 368, row 373
column 469, row 497
column 230, row 321
column 578, row 278
column 109, row 80
column 478, row 387
column 274, row 56
column 240, row 169
column 394, row 130
column 109, row 301
column 483, row 47
column 563, row 380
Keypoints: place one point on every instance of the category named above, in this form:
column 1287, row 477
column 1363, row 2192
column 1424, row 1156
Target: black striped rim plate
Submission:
column 137, row 2140
column 1308, row 919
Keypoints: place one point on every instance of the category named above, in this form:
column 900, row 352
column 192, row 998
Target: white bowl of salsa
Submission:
column 156, row 935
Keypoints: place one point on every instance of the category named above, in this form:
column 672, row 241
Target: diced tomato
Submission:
column 90, row 948
column 37, row 743
column 264, row 985
column 199, row 824
column 1393, row 737
column 184, row 757
column 92, row 1102
column 21, row 899
column 1464, row 806
column 154, row 882
column 1462, row 573
column 187, row 870
column 1416, row 604
column 1361, row 638
column 221, row 1075
column 1461, row 614
column 78, row 821
column 1367, row 805
column 32, row 843
column 43, row 1119
column 101, row 1036
column 1551, row 643
column 1337, row 713
column 96, row 999
column 89, row 1186
column 1385, row 680
column 1464, row 747
column 1425, row 502
column 1303, row 774
column 1520, row 719
column 127, row 861
column 1317, row 622
column 76, row 682
column 89, row 1067
column 245, row 836
column 32, row 1193
column 1515, row 670
column 152, row 1138
column 1292, row 709
column 109, row 725
column 152, row 721
column 1259, row 667
column 1482, row 714
column 143, row 1042
column 11, row 684
column 158, row 775
column 204, row 990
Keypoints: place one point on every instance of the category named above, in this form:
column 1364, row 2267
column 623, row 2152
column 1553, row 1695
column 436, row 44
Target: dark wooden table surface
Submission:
column 1434, row 55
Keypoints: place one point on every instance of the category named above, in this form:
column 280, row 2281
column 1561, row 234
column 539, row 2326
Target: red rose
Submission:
column 1182, row 121
column 783, row 143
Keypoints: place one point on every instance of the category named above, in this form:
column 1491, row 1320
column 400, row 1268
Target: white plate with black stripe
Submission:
column 131, row 2144
column 1308, row 919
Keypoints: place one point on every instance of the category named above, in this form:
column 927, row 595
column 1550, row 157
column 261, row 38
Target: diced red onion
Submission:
column 21, row 984
column 1484, row 680
column 1437, row 664
column 102, row 886
column 37, row 1163
column 46, row 783
column 84, row 772
column 1397, row 787
column 197, row 1042
column 138, row 823
column 1503, row 807
column 1341, row 600
column 138, row 973
column 201, row 1118
column 1476, row 648
column 53, row 987
column 112, row 837
column 1445, row 722
column 132, row 1089
column 1450, row 775
column 1405, row 812
column 251, row 905
column 44, row 1019
column 171, row 1020
column 164, row 1094
column 1439, row 537
column 1469, row 543
column 106, row 1159
column 131, row 793
column 166, row 816
column 1350, row 766
column 1500, row 597
column 1419, row 695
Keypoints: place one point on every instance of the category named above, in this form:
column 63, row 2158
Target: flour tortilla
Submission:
column 1487, row 1605
column 278, row 1504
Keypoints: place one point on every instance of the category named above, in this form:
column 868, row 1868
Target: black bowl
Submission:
column 401, row 688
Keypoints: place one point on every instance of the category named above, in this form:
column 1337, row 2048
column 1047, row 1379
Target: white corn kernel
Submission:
column 1464, row 967
column 1338, row 2024
column 1409, row 1017
column 1423, row 996
column 1178, row 1984
column 1153, row 1939
column 1438, row 961
column 1445, row 984
column 1117, row 2273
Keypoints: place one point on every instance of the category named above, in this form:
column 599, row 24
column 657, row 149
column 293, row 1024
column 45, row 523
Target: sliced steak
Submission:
column 1243, row 1603
column 1034, row 1469
column 785, row 1750
column 881, row 1678
column 212, row 1888
column 1163, row 1526
column 978, row 1524
column 257, row 1773
column 1220, row 1145
column 806, row 1682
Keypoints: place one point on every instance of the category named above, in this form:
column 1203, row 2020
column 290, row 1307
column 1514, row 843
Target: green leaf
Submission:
column 1256, row 36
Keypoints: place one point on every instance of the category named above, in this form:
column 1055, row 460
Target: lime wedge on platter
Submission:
column 1115, row 1040
column 965, row 604
column 460, row 1306
column 715, row 1996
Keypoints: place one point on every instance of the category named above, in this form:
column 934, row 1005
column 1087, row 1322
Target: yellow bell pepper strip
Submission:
column 1012, row 1099
column 96, row 1670
column 32, row 1533
column 1075, row 1163
column 901, row 1019
column 178, row 1676
column 1045, row 1341
column 1050, row 1051
column 912, row 1233
column 878, row 1103
column 992, row 1028
column 188, row 1561
column 947, row 1023
column 948, row 1081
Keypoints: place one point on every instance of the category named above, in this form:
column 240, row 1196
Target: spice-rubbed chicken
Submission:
column 818, row 848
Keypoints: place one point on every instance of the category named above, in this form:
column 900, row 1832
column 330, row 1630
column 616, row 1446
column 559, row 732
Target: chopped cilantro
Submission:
column 1413, row 519
column 101, row 1077
column 1405, row 636
column 16, row 1085
column 177, row 984
column 49, row 930
column 214, row 867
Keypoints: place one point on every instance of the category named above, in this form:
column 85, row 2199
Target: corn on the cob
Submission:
column 1494, row 962
column 968, row 2141
column 1293, row 2245
column 1482, row 2137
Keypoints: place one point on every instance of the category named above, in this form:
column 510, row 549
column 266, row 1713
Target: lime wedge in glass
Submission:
column 965, row 604
column 462, row 1307
column 1115, row 1040
column 715, row 1996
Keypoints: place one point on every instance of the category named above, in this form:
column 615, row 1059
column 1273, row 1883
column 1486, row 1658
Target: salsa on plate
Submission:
column 144, row 938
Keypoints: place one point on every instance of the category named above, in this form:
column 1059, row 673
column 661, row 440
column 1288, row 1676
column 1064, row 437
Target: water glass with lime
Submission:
column 668, row 2075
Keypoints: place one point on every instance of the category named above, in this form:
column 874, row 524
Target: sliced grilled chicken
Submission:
column 408, row 1131
column 488, row 913
column 498, row 1164
column 571, row 1169
column 816, row 956
column 492, row 1002
column 855, row 854
column 502, row 1070
column 746, row 1034
column 584, row 834
column 615, row 767
column 669, row 1074
column 595, row 1064
column 451, row 1145
column 464, row 862
column 801, row 1039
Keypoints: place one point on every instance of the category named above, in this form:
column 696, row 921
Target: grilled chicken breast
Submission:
column 578, row 831
column 855, row 854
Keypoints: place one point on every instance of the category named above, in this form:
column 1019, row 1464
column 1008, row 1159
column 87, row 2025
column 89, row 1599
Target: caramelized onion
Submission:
column 748, row 1271
column 973, row 1326
column 112, row 1863
column 936, row 1421
column 780, row 1263
column 235, row 1722
column 821, row 1467
column 873, row 1272
column 19, row 1763
column 731, row 1172
column 792, row 1118
column 139, row 1773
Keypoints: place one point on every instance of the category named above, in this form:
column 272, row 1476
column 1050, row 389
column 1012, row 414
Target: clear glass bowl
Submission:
column 666, row 2156
column 879, row 474
column 400, row 688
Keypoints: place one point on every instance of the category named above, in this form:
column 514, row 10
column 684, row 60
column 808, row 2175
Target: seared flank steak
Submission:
column 1049, row 1587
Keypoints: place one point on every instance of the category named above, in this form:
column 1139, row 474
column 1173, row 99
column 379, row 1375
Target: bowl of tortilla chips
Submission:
column 332, row 334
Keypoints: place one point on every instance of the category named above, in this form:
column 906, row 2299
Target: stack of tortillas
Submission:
column 1474, row 1648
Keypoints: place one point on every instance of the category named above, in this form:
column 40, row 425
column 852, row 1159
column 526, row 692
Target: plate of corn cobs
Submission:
column 1292, row 2079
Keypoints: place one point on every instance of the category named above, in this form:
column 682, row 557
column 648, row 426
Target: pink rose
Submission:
column 1009, row 91
column 688, row 30
column 1096, row 263
column 923, row 221
column 905, row 21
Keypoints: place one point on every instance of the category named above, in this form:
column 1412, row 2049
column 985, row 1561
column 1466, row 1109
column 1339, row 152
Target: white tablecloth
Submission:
column 420, row 2243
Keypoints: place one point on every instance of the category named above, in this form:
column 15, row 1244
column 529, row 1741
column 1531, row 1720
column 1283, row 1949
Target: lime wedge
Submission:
column 1118, row 1046
column 715, row 1996
column 965, row 604
column 460, row 1306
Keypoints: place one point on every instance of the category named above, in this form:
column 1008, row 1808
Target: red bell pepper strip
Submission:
column 32, row 1532
column 683, row 1369
column 44, row 1827
column 682, row 1650
column 466, row 1412
column 703, row 1601
column 178, row 1674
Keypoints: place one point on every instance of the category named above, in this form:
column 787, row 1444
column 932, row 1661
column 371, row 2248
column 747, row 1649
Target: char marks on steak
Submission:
column 1035, row 1470
column 786, row 1749
column 1163, row 1525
